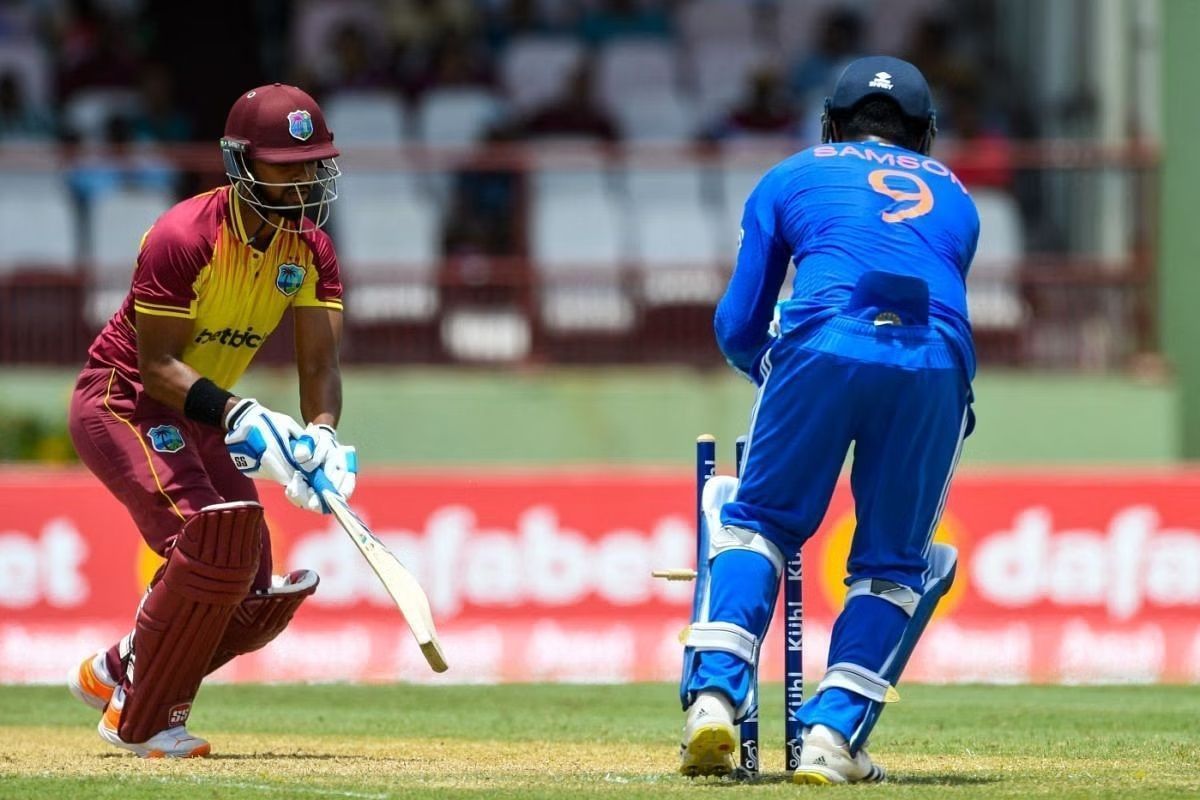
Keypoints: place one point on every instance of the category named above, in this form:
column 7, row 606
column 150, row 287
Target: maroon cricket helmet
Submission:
column 279, row 124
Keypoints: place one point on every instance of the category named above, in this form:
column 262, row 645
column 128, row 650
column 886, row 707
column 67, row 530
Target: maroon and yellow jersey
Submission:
column 195, row 263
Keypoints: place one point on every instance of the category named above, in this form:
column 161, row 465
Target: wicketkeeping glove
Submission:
column 259, row 441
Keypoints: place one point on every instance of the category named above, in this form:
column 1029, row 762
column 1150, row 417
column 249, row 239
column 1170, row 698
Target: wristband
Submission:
column 205, row 402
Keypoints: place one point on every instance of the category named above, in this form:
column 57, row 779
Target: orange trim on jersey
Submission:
column 149, row 461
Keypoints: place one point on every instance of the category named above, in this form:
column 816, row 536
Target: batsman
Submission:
column 153, row 416
column 873, row 351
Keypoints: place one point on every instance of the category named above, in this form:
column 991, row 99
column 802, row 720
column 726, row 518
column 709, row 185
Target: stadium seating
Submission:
column 118, row 221
column 798, row 25
column 535, row 69
column 88, row 111
column 657, row 117
column 727, row 21
column 998, row 310
column 387, row 239
column 29, row 64
column 721, row 74
column 578, row 245
column 40, row 289
column 635, row 66
column 677, row 249
column 738, row 180
column 456, row 116
column 366, row 118
column 37, row 224
column 679, row 278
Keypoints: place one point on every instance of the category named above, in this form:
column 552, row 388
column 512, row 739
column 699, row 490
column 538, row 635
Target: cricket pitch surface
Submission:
column 380, row 742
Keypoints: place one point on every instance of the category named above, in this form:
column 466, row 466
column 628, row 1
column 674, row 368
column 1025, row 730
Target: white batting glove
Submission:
column 317, row 449
column 259, row 441
column 314, row 445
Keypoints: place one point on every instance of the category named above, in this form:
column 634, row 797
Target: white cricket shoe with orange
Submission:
column 710, row 739
column 91, row 683
column 825, row 759
column 174, row 742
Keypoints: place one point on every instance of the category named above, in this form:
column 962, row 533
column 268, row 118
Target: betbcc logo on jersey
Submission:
column 300, row 124
column 165, row 438
column 289, row 279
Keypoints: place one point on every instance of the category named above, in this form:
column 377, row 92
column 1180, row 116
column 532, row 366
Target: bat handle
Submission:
column 319, row 481
column 321, row 484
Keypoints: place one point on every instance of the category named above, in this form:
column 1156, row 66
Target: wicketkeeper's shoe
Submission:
column 174, row 742
column 91, row 683
column 709, row 737
column 825, row 759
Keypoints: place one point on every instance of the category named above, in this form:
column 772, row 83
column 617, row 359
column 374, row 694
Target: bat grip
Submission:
column 319, row 481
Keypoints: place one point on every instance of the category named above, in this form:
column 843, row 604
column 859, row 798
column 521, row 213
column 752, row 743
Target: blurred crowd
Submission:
column 115, row 83
column 743, row 67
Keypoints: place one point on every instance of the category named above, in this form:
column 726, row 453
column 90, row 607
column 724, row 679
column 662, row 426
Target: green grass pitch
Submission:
column 385, row 742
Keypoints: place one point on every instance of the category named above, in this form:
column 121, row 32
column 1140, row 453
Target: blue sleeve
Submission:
column 972, row 238
column 745, row 311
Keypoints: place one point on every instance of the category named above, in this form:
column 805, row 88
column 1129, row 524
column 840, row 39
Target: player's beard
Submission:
column 291, row 196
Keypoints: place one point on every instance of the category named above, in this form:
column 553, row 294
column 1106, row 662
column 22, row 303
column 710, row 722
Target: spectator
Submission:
column 423, row 23
column 840, row 43
column 766, row 110
column 354, row 61
column 19, row 121
column 616, row 18
column 95, row 50
column 458, row 59
column 122, row 166
column 483, row 208
column 508, row 20
column 984, row 155
column 429, row 37
column 950, row 76
column 575, row 112
column 160, row 119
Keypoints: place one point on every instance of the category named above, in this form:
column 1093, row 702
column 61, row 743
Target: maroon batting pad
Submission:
column 182, row 619
column 263, row 616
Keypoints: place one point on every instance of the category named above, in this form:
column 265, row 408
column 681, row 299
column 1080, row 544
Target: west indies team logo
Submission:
column 300, row 124
column 165, row 438
column 289, row 278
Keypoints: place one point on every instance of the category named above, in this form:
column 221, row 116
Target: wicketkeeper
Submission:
column 873, row 351
column 152, row 415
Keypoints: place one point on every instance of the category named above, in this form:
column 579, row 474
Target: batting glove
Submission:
column 259, row 441
column 317, row 449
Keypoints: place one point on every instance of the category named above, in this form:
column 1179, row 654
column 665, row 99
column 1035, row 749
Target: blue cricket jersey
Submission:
column 840, row 211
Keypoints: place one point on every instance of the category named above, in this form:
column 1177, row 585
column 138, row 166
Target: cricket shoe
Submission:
column 91, row 683
column 709, row 737
column 825, row 759
column 174, row 742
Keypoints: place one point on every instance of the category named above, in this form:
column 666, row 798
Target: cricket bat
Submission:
column 408, row 595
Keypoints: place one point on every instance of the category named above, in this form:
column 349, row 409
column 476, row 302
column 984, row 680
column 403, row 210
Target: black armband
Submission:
column 205, row 402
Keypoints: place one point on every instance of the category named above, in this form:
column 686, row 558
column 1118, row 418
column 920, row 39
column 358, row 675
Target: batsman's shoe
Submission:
column 825, row 759
column 709, row 737
column 91, row 683
column 174, row 742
